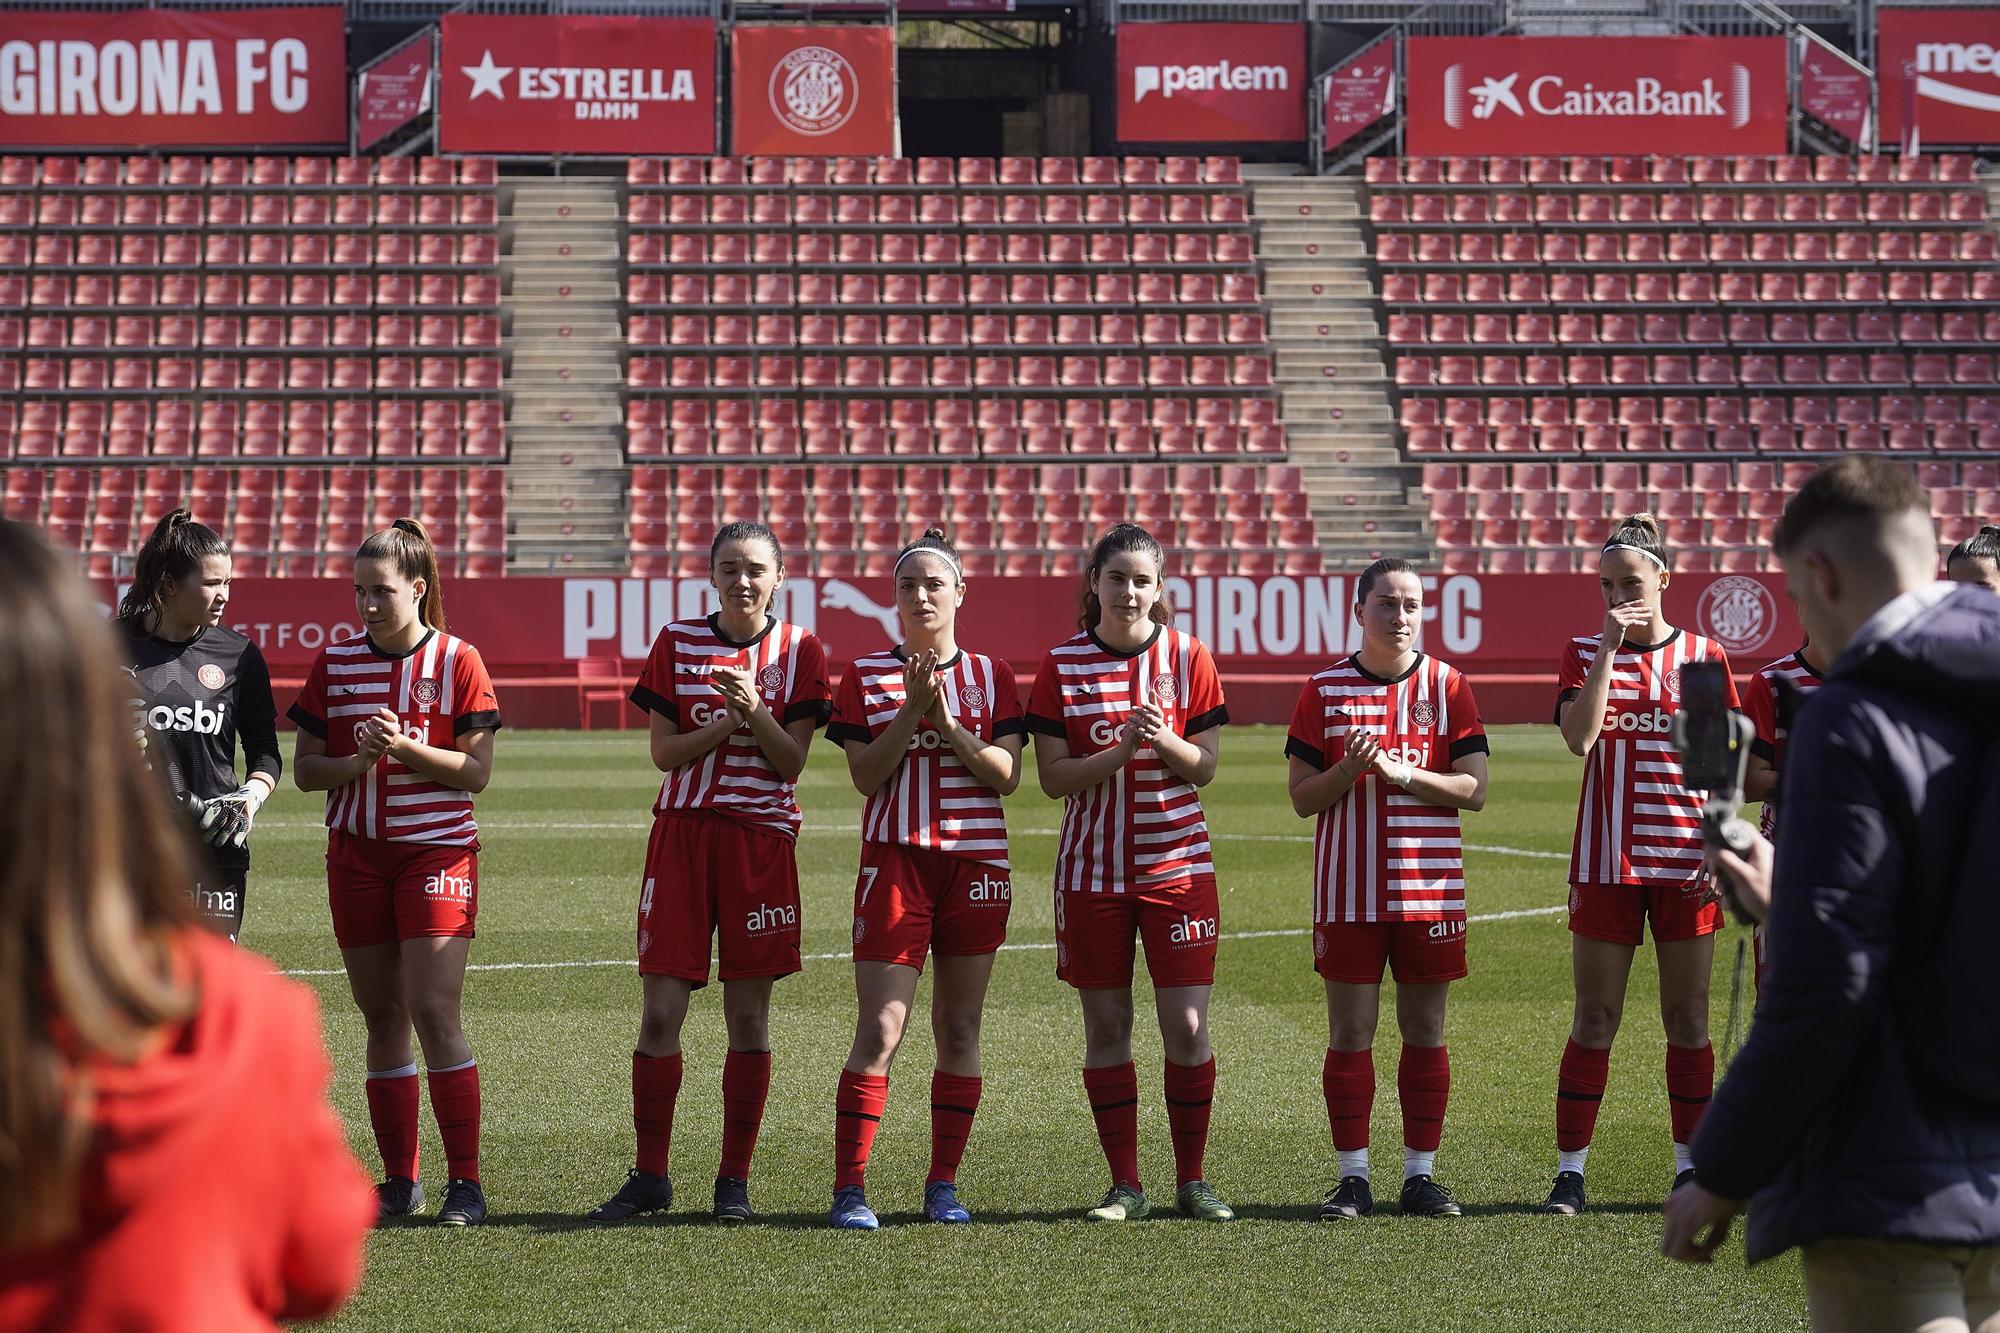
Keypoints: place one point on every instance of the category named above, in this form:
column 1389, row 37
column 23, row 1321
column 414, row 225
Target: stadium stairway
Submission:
column 559, row 263
column 1331, row 370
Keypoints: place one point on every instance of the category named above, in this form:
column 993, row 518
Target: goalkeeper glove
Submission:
column 226, row 820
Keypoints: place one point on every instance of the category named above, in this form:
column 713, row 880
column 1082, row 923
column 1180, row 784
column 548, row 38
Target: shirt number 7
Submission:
column 868, row 874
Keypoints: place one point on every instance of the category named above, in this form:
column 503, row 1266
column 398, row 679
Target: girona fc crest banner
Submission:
column 812, row 91
column 156, row 78
column 1668, row 95
column 589, row 85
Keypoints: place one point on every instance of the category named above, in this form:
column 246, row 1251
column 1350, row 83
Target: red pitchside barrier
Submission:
column 1267, row 633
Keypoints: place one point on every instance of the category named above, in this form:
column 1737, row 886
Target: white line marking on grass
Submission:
column 1038, row 946
column 631, row 826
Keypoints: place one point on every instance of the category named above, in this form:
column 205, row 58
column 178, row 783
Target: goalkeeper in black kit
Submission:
column 199, row 690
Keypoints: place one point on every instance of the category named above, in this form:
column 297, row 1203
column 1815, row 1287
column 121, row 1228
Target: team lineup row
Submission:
column 1385, row 748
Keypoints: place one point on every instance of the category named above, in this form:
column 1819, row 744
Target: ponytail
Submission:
column 1121, row 539
column 408, row 547
column 174, row 551
column 1641, row 533
column 1981, row 545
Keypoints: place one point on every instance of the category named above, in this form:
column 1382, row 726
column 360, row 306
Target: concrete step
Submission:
column 594, row 210
column 580, row 288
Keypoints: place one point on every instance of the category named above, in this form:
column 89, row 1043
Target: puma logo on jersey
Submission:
column 1657, row 721
column 197, row 718
column 989, row 889
column 762, row 919
column 1192, row 930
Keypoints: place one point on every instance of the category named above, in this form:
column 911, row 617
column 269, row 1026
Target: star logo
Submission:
column 486, row 77
column 1492, row 94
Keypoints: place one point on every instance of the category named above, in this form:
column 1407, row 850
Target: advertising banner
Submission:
column 1666, row 95
column 392, row 92
column 1281, row 623
column 813, row 90
column 1211, row 82
column 1834, row 91
column 596, row 84
column 157, row 78
column 1356, row 94
column 1940, row 72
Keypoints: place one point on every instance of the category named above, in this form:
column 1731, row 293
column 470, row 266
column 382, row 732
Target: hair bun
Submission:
column 936, row 534
column 408, row 525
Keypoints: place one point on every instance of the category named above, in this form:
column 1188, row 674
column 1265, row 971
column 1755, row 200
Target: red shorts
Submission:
column 382, row 892
column 711, row 876
column 1420, row 952
column 1618, row 913
column 1177, row 921
column 910, row 899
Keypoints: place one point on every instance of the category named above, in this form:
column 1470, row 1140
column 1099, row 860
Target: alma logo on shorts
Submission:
column 1443, row 932
column 764, row 919
column 990, row 889
column 1192, row 930
column 456, row 887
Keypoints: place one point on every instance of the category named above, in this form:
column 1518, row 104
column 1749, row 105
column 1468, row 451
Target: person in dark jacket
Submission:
column 1861, row 1121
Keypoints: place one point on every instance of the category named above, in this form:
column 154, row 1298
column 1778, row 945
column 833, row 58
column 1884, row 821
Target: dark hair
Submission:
column 405, row 544
column 174, row 551
column 1380, row 569
column 93, row 888
column 1858, row 487
column 934, row 540
column 1121, row 539
column 745, row 532
column 1981, row 545
column 1641, row 532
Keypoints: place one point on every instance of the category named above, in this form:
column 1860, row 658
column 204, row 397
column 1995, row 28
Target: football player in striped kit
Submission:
column 1769, row 701
column 735, row 698
column 1385, row 749
column 1127, row 719
column 1637, row 856
column 396, row 726
column 933, row 735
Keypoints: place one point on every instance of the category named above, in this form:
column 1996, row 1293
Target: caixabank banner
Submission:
column 584, row 84
column 812, row 91
column 1940, row 68
column 1474, row 95
column 1211, row 82
column 159, row 78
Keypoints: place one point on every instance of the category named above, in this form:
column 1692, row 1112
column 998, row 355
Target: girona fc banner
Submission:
column 1513, row 95
column 590, row 85
column 1940, row 67
column 1211, row 82
column 812, row 91
column 156, row 78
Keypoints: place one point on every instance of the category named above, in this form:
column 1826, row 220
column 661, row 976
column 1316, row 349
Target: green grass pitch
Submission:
column 565, row 825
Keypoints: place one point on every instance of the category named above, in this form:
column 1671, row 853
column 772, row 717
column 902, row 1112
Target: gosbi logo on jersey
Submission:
column 1656, row 722
column 418, row 731
column 456, row 887
column 1417, row 756
column 196, row 718
column 990, row 889
column 764, row 918
column 1191, row 930
column 210, row 676
column 1104, row 732
column 703, row 714
column 928, row 738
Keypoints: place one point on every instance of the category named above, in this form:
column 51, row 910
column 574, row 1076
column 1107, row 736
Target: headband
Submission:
column 1628, row 546
column 938, row 551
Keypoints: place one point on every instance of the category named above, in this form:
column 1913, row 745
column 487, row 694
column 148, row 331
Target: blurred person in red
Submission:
column 168, row 1157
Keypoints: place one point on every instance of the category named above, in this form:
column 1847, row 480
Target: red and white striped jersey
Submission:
column 788, row 666
column 1381, row 854
column 1760, row 705
column 439, row 691
column 1635, row 823
column 932, row 800
column 1142, row 826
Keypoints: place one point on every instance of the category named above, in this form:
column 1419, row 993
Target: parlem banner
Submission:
column 1211, row 82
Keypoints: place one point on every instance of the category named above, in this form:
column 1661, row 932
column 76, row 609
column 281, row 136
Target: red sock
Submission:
column 954, row 1099
column 656, row 1082
column 455, row 1103
column 857, row 1113
column 1579, row 1092
column 392, row 1112
column 1690, row 1083
column 1114, row 1102
column 1423, row 1083
column 1349, row 1082
column 746, row 1082
column 1190, row 1095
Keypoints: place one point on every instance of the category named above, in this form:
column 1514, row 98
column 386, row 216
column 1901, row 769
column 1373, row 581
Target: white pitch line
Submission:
column 1038, row 946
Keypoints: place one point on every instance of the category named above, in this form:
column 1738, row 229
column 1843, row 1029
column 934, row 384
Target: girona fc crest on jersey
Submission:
column 771, row 679
column 1673, row 683
column 210, row 676
column 973, row 696
column 1423, row 715
column 426, row 693
column 1165, row 689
